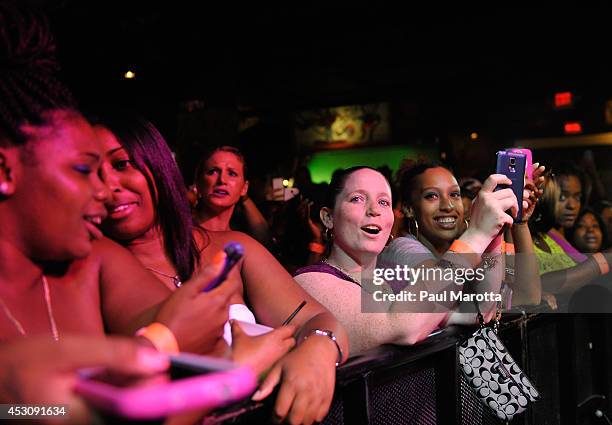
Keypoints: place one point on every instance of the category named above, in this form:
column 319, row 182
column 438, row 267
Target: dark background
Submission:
column 445, row 72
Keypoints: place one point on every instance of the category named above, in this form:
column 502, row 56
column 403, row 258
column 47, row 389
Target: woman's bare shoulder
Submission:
column 319, row 279
column 232, row 236
column 106, row 246
column 102, row 250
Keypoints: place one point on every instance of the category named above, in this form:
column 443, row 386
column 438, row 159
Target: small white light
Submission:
column 129, row 75
column 285, row 182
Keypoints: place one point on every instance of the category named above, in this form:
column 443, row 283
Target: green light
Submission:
column 323, row 164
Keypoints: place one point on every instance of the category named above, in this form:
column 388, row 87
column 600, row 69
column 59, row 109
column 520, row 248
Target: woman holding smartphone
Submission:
column 435, row 220
column 55, row 264
column 359, row 213
column 141, row 176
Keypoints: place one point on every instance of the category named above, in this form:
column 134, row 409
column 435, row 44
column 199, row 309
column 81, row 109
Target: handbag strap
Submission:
column 481, row 321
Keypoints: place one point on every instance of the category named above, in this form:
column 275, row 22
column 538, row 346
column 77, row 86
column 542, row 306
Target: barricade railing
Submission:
column 567, row 357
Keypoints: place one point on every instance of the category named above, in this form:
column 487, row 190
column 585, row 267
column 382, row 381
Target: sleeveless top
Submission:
column 556, row 259
column 322, row 267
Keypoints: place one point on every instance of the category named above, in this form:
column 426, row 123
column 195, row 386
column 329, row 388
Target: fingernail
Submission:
column 152, row 359
column 256, row 395
column 536, row 165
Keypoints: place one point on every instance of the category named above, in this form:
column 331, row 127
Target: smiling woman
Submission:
column 55, row 265
column 149, row 214
column 359, row 214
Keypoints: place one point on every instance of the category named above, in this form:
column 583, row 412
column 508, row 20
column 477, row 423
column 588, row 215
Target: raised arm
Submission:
column 526, row 284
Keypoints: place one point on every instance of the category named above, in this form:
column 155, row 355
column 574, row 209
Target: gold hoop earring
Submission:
column 467, row 224
column 389, row 240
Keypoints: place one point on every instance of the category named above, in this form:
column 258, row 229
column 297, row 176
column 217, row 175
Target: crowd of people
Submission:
column 99, row 238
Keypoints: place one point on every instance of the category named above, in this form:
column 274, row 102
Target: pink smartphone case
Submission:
column 528, row 162
column 208, row 391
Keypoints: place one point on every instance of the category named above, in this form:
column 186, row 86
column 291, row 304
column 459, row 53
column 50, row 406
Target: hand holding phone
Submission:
column 234, row 252
column 512, row 165
column 194, row 382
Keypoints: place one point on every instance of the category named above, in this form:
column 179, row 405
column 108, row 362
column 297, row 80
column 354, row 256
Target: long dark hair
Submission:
column 153, row 158
column 29, row 86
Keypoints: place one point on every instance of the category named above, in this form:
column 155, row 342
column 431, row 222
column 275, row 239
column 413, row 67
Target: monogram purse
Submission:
column 493, row 374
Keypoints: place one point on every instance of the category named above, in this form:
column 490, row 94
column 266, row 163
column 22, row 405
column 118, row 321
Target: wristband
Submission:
column 160, row 336
column 601, row 261
column 510, row 248
column 316, row 247
column 460, row 247
column 331, row 336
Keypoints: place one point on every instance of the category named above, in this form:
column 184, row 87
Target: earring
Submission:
column 389, row 240
column 412, row 223
column 329, row 234
column 3, row 188
column 467, row 224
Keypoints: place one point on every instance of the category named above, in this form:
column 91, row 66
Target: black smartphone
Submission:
column 512, row 165
column 234, row 252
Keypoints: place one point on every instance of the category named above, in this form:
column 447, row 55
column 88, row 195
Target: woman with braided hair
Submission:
column 55, row 265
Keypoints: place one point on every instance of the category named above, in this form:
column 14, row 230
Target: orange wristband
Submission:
column 160, row 336
column 601, row 261
column 510, row 248
column 316, row 247
column 461, row 247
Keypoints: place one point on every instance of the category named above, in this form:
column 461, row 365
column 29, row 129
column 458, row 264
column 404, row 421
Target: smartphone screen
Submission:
column 512, row 165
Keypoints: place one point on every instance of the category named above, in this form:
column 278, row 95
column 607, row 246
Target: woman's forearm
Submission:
column 526, row 285
column 569, row 280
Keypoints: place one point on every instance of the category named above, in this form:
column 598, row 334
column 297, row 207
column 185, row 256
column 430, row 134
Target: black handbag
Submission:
column 493, row 374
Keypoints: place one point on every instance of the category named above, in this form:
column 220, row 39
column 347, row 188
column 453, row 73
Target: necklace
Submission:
column 176, row 280
column 47, row 297
column 324, row 260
